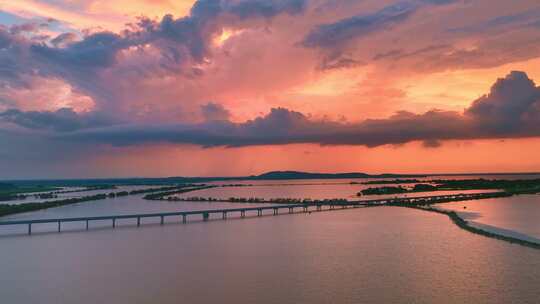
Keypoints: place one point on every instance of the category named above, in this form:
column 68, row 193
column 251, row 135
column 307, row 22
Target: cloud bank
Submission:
column 510, row 110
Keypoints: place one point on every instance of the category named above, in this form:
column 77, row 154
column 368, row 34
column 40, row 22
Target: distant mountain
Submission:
column 273, row 175
column 276, row 175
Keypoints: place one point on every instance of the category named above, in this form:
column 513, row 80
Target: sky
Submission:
column 150, row 88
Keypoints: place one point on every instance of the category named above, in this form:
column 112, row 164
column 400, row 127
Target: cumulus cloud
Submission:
column 24, row 28
column 512, row 106
column 215, row 112
column 510, row 110
column 179, row 39
column 102, row 63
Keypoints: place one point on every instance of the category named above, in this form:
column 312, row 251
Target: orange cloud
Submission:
column 109, row 15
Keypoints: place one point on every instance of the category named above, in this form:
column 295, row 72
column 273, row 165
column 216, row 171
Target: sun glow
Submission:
column 333, row 83
column 225, row 35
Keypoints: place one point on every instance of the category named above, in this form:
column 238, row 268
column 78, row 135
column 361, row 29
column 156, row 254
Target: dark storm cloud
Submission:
column 265, row 8
column 512, row 106
column 62, row 120
column 96, row 50
column 63, row 39
column 24, row 27
column 283, row 126
column 338, row 62
column 521, row 19
column 6, row 38
column 401, row 54
column 334, row 38
column 215, row 112
column 510, row 110
column 14, row 58
column 333, row 35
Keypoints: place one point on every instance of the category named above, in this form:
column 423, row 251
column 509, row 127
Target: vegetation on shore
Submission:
column 9, row 192
column 390, row 182
column 463, row 224
column 161, row 194
column 430, row 200
column 8, row 209
column 398, row 189
column 512, row 186
column 255, row 200
column 169, row 196
column 12, row 192
column 425, row 204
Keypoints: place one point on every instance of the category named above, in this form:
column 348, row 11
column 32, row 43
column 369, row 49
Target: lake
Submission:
column 365, row 255
column 383, row 255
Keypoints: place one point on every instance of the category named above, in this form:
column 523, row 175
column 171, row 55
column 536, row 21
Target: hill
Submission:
column 276, row 175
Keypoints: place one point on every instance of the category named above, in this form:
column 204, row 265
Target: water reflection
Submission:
column 517, row 213
column 373, row 255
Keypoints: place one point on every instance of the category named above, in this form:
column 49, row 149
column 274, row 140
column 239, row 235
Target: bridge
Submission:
column 275, row 209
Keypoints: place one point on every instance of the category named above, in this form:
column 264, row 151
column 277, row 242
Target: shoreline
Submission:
column 482, row 229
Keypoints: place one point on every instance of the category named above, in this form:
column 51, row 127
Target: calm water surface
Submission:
column 517, row 213
column 61, row 196
column 312, row 189
column 372, row 255
column 368, row 255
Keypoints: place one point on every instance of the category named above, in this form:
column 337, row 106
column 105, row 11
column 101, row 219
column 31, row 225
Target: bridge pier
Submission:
column 291, row 209
column 259, row 212
column 29, row 229
column 114, row 222
column 138, row 221
column 87, row 224
column 242, row 213
column 205, row 216
column 276, row 211
column 224, row 215
column 162, row 220
column 184, row 219
column 305, row 209
column 59, row 226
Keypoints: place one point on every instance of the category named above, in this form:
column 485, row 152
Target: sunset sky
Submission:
column 103, row 88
